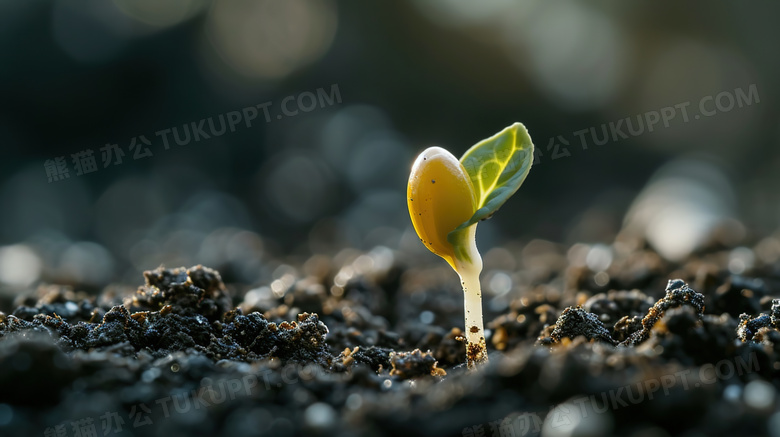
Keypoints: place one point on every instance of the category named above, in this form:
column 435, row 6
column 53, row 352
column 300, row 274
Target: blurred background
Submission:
column 131, row 99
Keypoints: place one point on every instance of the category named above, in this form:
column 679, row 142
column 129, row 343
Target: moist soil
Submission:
column 370, row 344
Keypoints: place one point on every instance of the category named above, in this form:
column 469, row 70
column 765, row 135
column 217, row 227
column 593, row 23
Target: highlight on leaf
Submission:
column 497, row 167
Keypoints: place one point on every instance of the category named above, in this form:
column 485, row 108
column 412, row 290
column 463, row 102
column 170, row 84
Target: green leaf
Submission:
column 497, row 166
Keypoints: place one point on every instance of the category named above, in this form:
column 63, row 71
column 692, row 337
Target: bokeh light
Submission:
column 335, row 177
column 271, row 39
column 161, row 14
column 573, row 51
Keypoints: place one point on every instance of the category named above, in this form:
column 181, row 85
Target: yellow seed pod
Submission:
column 440, row 198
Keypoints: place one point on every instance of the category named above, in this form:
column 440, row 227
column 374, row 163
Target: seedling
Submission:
column 447, row 198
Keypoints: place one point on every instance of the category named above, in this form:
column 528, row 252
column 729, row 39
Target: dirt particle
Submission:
column 406, row 365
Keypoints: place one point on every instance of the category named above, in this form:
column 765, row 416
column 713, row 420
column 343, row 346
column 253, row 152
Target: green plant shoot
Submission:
column 446, row 199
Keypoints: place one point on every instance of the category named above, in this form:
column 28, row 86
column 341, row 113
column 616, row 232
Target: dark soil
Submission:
column 656, row 349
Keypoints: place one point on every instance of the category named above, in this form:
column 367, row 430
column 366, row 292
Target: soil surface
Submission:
column 370, row 344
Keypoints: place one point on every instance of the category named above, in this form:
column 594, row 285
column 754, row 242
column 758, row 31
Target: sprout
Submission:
column 447, row 198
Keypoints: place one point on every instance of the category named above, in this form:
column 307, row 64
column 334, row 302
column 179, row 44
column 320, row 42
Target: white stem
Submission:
column 476, row 350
